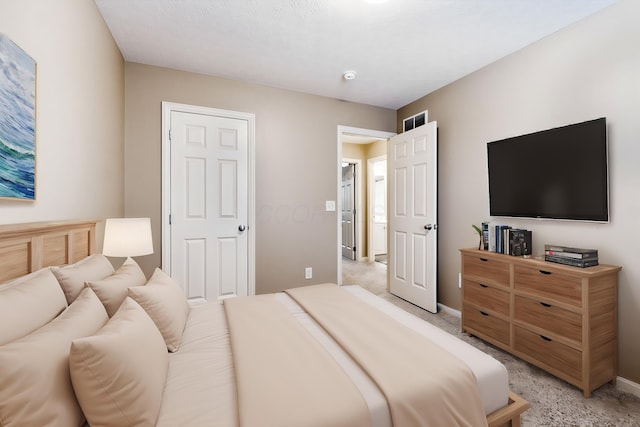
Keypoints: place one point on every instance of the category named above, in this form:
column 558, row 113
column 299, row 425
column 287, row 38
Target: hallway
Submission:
column 370, row 275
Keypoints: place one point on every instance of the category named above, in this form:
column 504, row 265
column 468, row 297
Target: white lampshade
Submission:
column 125, row 237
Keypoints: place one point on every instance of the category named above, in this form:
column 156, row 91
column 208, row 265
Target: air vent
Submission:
column 415, row 121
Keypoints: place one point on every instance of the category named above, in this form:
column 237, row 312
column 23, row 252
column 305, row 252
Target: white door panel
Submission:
column 413, row 216
column 348, row 204
column 209, row 204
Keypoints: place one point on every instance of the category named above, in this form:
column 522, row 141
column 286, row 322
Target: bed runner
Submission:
column 423, row 383
column 284, row 377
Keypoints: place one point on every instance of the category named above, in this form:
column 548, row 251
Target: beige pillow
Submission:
column 166, row 304
column 119, row 373
column 35, row 386
column 72, row 277
column 29, row 302
column 113, row 290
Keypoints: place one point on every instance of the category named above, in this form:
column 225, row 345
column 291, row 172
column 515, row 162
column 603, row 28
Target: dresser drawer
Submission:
column 486, row 296
column 487, row 324
column 549, row 283
column 490, row 269
column 549, row 317
column 565, row 360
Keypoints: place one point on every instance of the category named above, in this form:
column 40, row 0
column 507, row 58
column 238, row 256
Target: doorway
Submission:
column 353, row 148
column 377, row 197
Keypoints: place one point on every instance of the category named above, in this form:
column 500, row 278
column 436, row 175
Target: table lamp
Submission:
column 127, row 237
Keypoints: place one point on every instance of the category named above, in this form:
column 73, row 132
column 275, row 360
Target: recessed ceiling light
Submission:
column 376, row 1
column 349, row 75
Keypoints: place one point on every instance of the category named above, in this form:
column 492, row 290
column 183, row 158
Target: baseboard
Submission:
column 449, row 310
column 628, row 386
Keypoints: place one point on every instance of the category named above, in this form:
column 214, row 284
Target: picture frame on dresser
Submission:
column 560, row 318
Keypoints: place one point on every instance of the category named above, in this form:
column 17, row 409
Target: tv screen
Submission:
column 559, row 173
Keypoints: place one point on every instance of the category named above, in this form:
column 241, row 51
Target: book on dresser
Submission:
column 568, row 252
column 575, row 257
column 505, row 239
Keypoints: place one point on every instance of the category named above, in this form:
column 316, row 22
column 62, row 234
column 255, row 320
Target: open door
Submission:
column 413, row 225
column 348, row 198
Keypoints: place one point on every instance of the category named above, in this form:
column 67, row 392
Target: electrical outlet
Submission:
column 460, row 280
column 308, row 273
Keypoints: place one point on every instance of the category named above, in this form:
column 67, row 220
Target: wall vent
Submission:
column 415, row 121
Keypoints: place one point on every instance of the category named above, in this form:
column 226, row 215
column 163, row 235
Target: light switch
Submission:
column 330, row 205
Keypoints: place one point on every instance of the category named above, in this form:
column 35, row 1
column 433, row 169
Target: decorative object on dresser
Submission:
column 560, row 318
column 481, row 244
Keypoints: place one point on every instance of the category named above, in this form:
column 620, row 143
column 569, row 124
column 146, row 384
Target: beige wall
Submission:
column 376, row 149
column 79, row 110
column 586, row 71
column 296, row 165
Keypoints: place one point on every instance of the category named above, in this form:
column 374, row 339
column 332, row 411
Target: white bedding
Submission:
column 203, row 377
column 491, row 375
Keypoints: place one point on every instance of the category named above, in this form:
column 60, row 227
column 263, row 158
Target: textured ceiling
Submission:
column 400, row 49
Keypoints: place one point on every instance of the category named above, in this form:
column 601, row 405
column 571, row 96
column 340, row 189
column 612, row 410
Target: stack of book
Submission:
column 575, row 257
column 506, row 240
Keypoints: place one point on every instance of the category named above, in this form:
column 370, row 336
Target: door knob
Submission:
column 242, row 228
column 428, row 227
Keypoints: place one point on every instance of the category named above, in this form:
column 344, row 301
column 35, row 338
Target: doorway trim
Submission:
column 350, row 130
column 167, row 108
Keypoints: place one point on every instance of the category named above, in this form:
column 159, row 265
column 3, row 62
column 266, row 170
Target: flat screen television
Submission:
column 558, row 173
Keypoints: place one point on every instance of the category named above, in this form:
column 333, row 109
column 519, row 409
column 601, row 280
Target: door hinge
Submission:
column 169, row 135
column 169, row 219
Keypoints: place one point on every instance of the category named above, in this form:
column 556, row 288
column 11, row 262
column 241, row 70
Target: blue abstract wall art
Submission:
column 17, row 122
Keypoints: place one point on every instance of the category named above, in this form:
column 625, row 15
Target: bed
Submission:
column 25, row 248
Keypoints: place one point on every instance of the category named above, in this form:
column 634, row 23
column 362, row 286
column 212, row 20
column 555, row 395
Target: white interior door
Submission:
column 209, row 204
column 413, row 210
column 348, row 198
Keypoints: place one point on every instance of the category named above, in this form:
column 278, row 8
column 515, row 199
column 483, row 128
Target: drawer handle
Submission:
column 544, row 272
column 483, row 286
column 484, row 259
column 484, row 314
column 544, row 304
column 545, row 338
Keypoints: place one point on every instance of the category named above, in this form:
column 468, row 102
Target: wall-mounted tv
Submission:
column 558, row 173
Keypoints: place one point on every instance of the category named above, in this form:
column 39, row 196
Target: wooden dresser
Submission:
column 562, row 319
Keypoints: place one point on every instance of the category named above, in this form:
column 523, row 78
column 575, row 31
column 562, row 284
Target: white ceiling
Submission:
column 400, row 49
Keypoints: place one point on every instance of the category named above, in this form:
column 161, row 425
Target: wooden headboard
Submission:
column 28, row 247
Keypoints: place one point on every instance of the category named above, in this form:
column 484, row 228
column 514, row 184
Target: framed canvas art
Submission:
column 17, row 122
